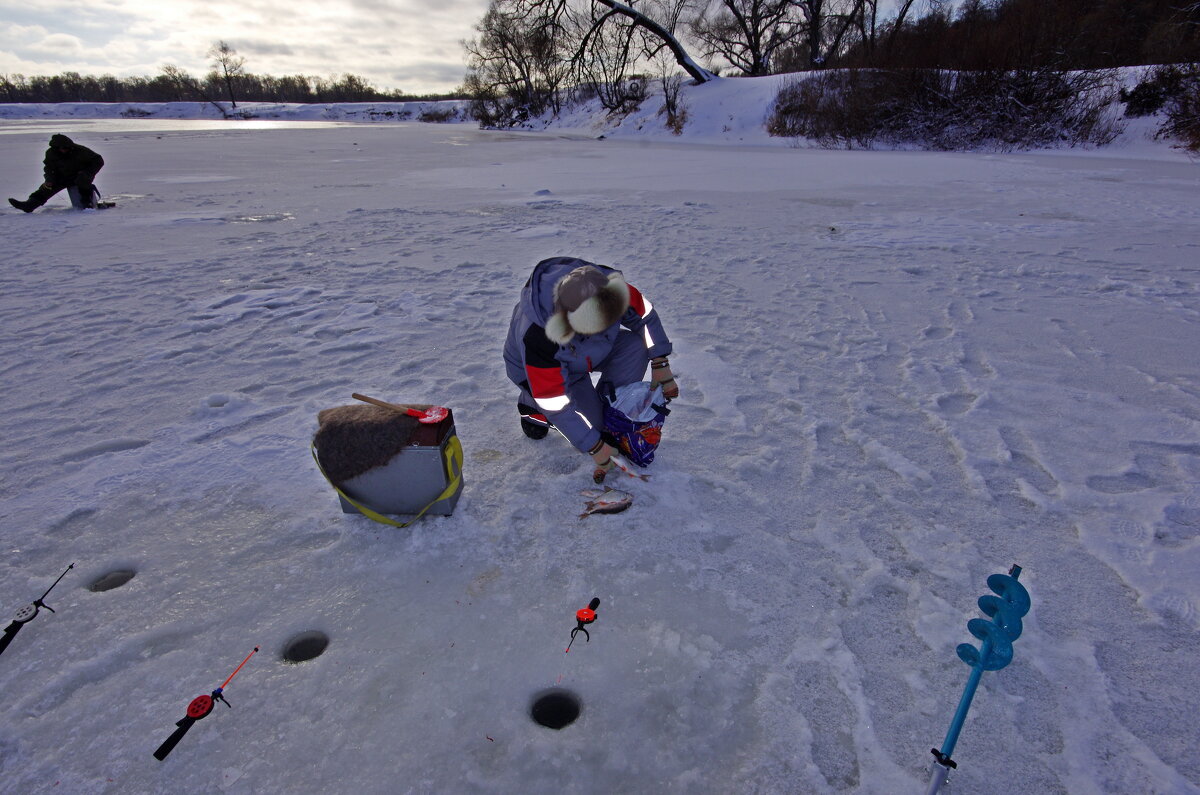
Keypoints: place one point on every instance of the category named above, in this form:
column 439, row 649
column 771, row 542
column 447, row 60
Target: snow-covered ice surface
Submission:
column 901, row 373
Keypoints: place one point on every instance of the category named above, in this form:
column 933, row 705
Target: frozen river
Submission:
column 900, row 372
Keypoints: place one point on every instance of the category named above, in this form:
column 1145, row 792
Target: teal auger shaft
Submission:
column 1005, row 609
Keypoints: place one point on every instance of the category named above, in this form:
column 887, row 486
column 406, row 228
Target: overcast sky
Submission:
column 411, row 45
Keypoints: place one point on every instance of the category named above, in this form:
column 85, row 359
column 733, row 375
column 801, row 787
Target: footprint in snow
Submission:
column 957, row 403
column 1120, row 484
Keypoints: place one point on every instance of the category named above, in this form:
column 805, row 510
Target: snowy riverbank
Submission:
column 724, row 111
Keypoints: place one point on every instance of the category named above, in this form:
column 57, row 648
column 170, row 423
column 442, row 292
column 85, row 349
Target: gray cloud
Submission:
column 249, row 48
column 430, row 72
column 404, row 44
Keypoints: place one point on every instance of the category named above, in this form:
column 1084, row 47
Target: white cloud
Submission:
column 58, row 44
column 395, row 44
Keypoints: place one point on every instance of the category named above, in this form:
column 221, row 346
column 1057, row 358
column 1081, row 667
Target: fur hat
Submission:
column 586, row 301
column 60, row 141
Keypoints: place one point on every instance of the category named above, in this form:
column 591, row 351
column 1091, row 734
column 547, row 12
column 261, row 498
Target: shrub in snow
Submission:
column 835, row 109
column 932, row 109
column 437, row 115
column 1173, row 90
column 1149, row 96
column 1183, row 114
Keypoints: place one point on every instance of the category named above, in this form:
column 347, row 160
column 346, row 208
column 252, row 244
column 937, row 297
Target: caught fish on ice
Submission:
column 608, row 500
column 627, row 468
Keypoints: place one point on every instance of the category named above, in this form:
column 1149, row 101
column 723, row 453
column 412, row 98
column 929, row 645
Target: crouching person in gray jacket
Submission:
column 575, row 318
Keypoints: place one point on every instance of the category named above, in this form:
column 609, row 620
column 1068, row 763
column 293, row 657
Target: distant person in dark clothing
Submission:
column 67, row 165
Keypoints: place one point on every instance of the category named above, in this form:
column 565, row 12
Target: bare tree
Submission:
column 828, row 23
column 699, row 74
column 527, row 50
column 518, row 64
column 670, row 13
column 748, row 33
column 228, row 66
column 186, row 84
column 603, row 61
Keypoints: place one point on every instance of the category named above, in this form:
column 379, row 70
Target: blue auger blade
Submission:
column 1011, row 591
column 996, row 651
column 1002, row 614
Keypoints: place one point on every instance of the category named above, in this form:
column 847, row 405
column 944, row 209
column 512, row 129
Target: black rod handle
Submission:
column 10, row 632
column 184, row 724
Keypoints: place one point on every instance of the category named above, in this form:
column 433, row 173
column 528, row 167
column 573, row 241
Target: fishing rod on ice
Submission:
column 29, row 612
column 584, row 615
column 200, row 707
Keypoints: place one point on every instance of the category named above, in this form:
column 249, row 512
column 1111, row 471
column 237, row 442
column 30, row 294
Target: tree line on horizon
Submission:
column 228, row 81
column 531, row 56
column 74, row 87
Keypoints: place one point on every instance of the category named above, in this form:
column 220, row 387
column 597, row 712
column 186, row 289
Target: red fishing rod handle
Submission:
column 200, row 707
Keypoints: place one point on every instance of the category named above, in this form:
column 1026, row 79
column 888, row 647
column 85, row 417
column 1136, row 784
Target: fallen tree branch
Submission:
column 698, row 73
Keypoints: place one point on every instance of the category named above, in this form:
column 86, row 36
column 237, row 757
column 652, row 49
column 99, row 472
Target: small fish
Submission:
column 609, row 500
column 627, row 468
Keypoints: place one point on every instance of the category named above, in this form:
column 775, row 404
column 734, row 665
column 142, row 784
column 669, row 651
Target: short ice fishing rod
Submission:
column 29, row 612
column 584, row 615
column 198, row 709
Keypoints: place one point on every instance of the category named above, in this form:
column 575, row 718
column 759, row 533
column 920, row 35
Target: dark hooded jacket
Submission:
column 543, row 367
column 66, row 160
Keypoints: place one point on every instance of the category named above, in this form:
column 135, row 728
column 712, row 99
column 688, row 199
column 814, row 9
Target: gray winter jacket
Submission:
column 544, row 368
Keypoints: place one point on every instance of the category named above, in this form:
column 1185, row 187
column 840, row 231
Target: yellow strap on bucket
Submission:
column 454, row 462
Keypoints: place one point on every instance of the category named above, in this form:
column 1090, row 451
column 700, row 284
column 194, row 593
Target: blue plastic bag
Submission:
column 634, row 417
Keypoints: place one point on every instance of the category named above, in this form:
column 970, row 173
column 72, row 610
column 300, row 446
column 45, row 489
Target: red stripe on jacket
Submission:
column 636, row 301
column 546, row 382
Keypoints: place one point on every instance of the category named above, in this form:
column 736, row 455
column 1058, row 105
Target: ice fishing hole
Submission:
column 114, row 579
column 305, row 646
column 555, row 708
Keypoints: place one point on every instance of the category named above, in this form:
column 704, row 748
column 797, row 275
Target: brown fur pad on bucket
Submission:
column 356, row 438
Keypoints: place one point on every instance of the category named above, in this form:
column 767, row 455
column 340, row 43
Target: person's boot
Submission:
column 35, row 200
column 533, row 423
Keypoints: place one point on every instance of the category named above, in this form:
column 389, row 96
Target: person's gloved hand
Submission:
column 661, row 375
column 602, row 455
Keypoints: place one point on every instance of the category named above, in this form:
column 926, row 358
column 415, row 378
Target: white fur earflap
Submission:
column 558, row 330
column 604, row 306
column 603, row 309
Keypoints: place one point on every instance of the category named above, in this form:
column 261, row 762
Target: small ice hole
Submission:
column 114, row 579
column 305, row 646
column 555, row 708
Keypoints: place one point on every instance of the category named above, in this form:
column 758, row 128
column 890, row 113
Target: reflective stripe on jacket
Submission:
column 545, row 367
